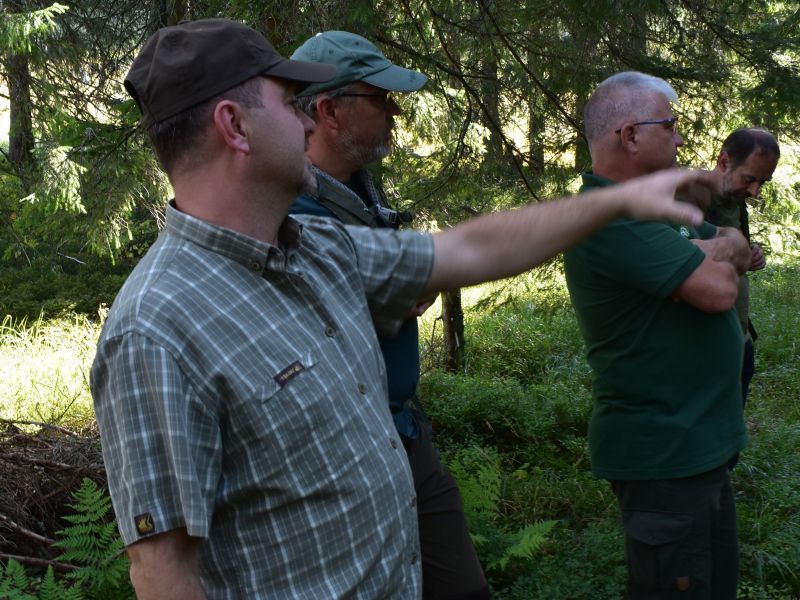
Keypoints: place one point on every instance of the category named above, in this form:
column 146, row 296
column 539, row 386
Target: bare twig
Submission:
column 17, row 458
column 27, row 532
column 46, row 425
column 80, row 262
column 39, row 562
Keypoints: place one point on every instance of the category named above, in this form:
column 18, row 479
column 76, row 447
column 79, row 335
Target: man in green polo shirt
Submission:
column 654, row 304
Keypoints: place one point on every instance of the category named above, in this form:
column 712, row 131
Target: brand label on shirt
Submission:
column 289, row 373
column 144, row 524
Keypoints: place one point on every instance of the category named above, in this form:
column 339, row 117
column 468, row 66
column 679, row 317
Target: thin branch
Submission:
column 72, row 258
column 40, row 562
column 26, row 532
column 45, row 425
column 473, row 94
column 543, row 88
column 17, row 458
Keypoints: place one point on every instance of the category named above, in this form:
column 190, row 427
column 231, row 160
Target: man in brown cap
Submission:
column 238, row 385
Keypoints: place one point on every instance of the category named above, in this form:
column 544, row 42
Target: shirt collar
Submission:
column 590, row 180
column 240, row 248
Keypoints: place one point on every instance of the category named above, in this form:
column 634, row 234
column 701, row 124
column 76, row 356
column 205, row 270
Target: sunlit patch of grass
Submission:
column 44, row 369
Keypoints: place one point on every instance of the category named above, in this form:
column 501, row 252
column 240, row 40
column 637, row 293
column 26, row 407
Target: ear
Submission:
column 228, row 122
column 627, row 137
column 723, row 162
column 328, row 113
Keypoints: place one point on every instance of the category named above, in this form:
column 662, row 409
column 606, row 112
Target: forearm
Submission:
column 729, row 246
column 507, row 243
column 510, row 242
column 165, row 567
column 712, row 287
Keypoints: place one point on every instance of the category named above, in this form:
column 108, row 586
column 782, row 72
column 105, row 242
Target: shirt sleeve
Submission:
column 394, row 267
column 706, row 231
column 648, row 256
column 161, row 446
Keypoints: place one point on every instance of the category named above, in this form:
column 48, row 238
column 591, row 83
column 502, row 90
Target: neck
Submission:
column 610, row 162
column 717, row 176
column 255, row 210
column 326, row 155
column 615, row 173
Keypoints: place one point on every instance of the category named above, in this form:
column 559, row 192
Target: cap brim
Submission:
column 397, row 79
column 301, row 71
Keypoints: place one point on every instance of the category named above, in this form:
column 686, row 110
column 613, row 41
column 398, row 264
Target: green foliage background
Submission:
column 514, row 423
column 498, row 125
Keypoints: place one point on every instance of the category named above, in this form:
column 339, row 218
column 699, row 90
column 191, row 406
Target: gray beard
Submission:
column 363, row 154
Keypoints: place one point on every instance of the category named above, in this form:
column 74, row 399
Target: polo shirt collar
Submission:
column 590, row 180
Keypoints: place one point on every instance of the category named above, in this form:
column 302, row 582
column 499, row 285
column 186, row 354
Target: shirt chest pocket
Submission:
column 294, row 396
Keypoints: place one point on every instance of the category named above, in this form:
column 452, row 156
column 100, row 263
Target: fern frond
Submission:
column 51, row 589
column 529, row 539
column 14, row 582
column 93, row 543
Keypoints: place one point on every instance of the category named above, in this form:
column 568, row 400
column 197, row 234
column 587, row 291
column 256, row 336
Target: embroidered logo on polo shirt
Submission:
column 685, row 232
column 289, row 373
column 144, row 523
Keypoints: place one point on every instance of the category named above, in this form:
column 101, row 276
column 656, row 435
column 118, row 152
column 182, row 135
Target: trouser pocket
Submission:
column 657, row 549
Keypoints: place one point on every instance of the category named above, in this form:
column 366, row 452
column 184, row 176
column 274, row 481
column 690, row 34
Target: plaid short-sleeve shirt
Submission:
column 240, row 393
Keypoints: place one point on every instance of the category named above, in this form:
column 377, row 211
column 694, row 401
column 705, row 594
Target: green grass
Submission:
column 516, row 419
column 525, row 394
column 44, row 367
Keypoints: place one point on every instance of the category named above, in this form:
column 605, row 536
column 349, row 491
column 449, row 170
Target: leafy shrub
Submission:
column 535, row 423
column 578, row 564
column 91, row 544
column 502, row 549
column 59, row 288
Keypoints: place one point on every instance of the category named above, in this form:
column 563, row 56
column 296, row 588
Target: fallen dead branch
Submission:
column 43, row 465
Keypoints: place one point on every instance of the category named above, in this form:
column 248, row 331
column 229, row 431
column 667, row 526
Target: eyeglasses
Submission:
column 670, row 123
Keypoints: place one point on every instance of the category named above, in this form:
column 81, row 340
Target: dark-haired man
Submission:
column 237, row 384
column 746, row 162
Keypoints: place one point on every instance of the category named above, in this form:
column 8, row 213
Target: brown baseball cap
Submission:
column 186, row 64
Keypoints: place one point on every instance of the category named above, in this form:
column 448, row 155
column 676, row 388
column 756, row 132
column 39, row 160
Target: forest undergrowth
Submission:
column 512, row 427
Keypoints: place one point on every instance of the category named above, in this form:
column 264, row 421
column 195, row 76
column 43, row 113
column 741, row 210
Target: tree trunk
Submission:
column 583, row 161
column 20, row 135
column 490, row 96
column 453, row 329
column 535, row 137
column 168, row 12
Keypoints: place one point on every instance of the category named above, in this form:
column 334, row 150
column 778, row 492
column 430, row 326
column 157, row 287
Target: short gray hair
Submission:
column 308, row 104
column 620, row 97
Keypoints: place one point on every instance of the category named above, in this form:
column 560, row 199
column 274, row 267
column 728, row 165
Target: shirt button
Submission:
column 393, row 443
column 362, row 388
column 255, row 265
column 330, row 331
column 414, row 558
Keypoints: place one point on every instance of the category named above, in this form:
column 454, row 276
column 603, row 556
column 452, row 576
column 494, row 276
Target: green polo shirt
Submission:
column 666, row 375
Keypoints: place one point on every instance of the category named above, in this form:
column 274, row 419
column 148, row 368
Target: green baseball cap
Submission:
column 355, row 59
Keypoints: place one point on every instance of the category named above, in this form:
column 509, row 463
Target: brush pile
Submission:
column 41, row 465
